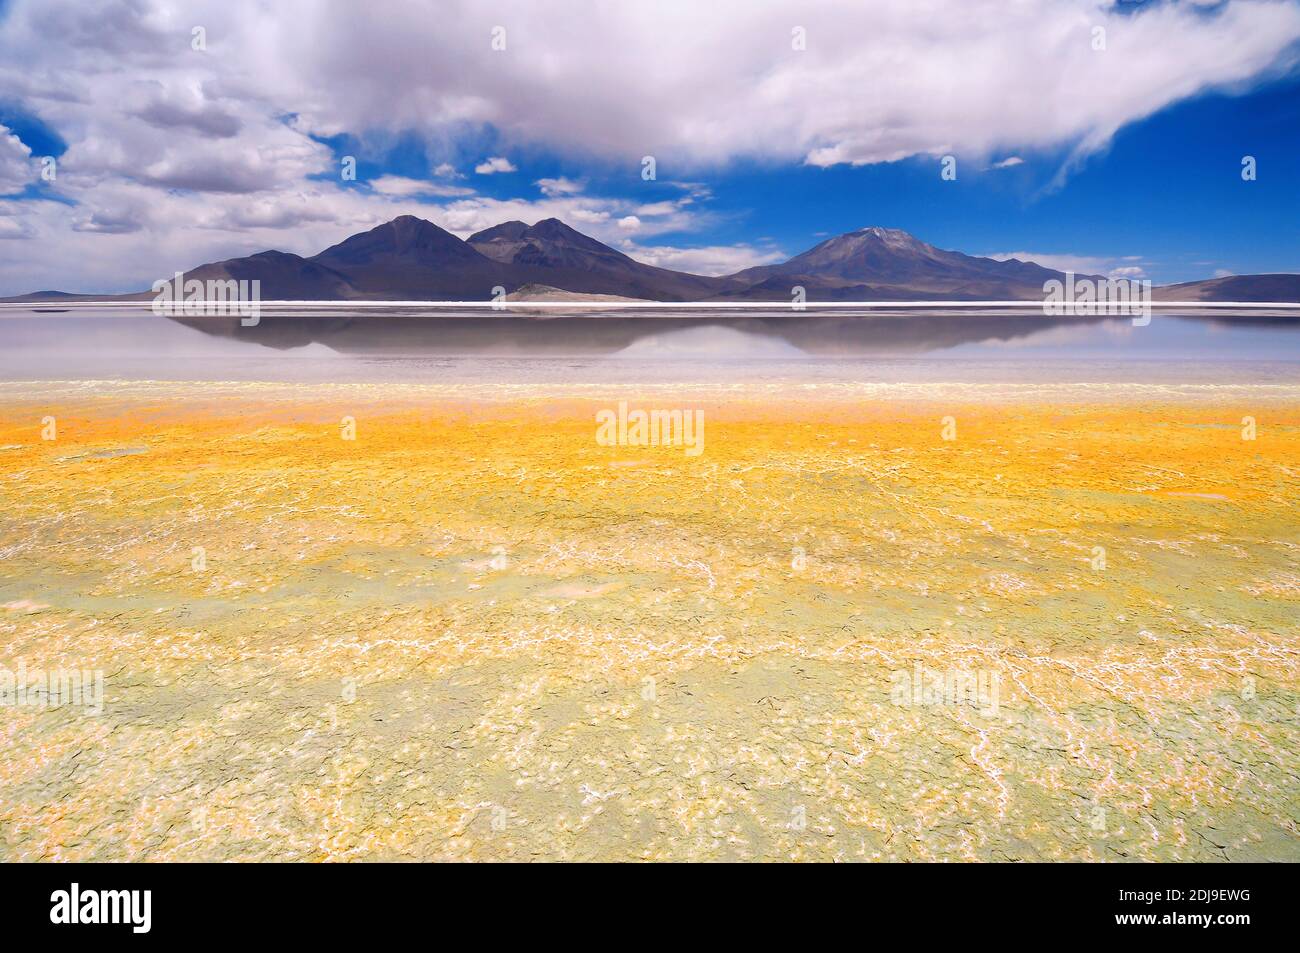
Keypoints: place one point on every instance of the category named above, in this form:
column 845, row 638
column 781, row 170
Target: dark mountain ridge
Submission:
column 552, row 253
column 411, row 259
column 883, row 263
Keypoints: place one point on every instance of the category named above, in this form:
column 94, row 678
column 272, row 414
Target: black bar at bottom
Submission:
column 332, row 904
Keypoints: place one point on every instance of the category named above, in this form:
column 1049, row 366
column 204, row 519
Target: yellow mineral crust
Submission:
column 473, row 632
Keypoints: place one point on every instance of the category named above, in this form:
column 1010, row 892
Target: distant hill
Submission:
column 47, row 296
column 1234, row 288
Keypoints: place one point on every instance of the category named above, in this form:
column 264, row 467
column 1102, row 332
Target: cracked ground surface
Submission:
column 474, row 633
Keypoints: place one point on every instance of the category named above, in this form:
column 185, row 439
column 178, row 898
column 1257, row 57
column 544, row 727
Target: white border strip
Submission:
column 507, row 305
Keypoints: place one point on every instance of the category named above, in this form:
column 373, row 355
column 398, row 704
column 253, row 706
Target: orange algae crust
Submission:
column 470, row 631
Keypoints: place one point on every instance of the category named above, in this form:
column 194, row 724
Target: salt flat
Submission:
column 474, row 632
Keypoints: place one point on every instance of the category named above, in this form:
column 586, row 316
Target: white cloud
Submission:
column 1079, row 264
column 397, row 185
column 495, row 164
column 708, row 260
column 601, row 218
column 180, row 107
column 660, row 208
column 12, row 224
column 125, row 240
column 1120, row 266
column 690, row 84
column 16, row 169
column 277, row 211
column 1008, row 162
column 560, row 186
column 629, row 223
column 695, row 84
column 109, row 221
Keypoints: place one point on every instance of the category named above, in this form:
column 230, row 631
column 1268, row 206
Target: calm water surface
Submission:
column 105, row 344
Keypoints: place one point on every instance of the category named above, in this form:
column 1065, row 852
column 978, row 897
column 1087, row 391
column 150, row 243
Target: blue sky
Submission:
column 1168, row 189
column 1124, row 155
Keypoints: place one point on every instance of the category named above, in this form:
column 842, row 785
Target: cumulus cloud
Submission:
column 109, row 221
column 12, row 224
column 495, row 164
column 401, row 186
column 274, row 211
column 559, row 186
column 658, row 208
column 588, row 216
column 15, row 163
column 1120, row 266
column 601, row 218
column 686, row 82
column 693, row 84
column 706, row 260
column 182, row 108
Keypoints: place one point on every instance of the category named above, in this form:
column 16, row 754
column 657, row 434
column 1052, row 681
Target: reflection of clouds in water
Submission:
column 709, row 343
column 128, row 334
column 112, row 345
column 1119, row 331
column 1167, row 337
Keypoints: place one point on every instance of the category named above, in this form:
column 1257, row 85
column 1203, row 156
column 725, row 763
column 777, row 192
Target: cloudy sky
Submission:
column 138, row 137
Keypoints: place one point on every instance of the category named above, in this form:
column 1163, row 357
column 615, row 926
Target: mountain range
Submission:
column 413, row 259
